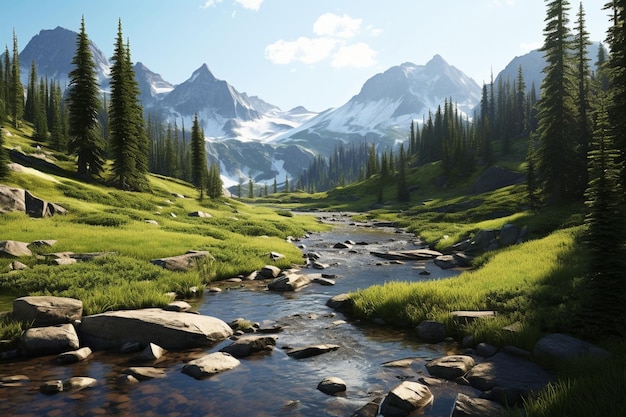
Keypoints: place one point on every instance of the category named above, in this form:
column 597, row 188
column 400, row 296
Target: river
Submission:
column 272, row 383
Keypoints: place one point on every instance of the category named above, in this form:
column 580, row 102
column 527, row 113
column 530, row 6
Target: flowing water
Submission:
column 267, row 384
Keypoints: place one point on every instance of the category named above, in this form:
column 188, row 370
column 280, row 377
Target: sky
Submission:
column 312, row 53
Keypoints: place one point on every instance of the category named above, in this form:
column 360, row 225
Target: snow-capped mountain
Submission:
column 52, row 50
column 386, row 104
column 253, row 138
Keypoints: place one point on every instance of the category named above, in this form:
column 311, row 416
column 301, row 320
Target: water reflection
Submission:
column 269, row 384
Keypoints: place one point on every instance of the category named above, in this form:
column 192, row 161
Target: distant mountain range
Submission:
column 251, row 137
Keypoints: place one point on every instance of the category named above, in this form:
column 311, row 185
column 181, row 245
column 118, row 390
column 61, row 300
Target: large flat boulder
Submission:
column 50, row 340
column 289, row 282
column 557, row 347
column 405, row 398
column 185, row 262
column 14, row 249
column 210, row 364
column 47, row 310
column 170, row 330
column 12, row 199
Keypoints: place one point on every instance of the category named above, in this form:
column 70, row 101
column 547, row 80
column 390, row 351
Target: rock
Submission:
column 210, row 364
column 450, row 367
column 47, row 310
column 331, row 385
column 14, row 249
column 144, row 373
column 52, row 387
column 463, row 260
column 466, row 406
column 557, row 347
column 12, row 199
column 324, row 281
column 431, row 331
column 127, row 380
column 446, row 262
column 507, row 371
column 319, row 265
column 185, row 262
column 405, row 398
column 152, row 352
column 78, row 383
column 249, row 345
column 340, row 302
column 408, row 255
column 178, row 306
column 14, row 381
column 275, row 256
column 290, row 282
column 313, row 350
column 369, row 410
column 49, row 340
column 17, row 266
column 465, row 317
column 151, row 221
column 269, row 272
column 200, row 214
column 485, row 350
column 508, row 235
column 171, row 330
column 313, row 256
column 42, row 243
column 342, row 245
column 65, row 261
column 74, row 355
column 130, row 347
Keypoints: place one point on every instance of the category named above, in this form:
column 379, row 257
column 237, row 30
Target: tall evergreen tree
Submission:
column 129, row 143
column 4, row 160
column 85, row 140
column 558, row 161
column 199, row 169
column 16, row 87
column 606, row 305
column 214, row 183
column 616, row 67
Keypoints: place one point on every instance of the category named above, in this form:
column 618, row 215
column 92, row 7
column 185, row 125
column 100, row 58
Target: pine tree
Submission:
column 214, row 183
column 7, row 82
column 199, row 169
column 558, row 161
column 403, row 190
column 85, row 140
column 16, row 89
column 605, row 233
column 616, row 68
column 129, row 143
column 30, row 107
column 4, row 160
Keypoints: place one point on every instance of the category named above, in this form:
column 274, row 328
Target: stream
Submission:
column 272, row 383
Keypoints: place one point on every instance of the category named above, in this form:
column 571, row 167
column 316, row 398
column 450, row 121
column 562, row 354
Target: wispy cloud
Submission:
column 332, row 41
column 359, row 55
column 210, row 3
column 250, row 4
column 332, row 25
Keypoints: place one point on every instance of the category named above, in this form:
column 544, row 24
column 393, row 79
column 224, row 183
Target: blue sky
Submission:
column 316, row 53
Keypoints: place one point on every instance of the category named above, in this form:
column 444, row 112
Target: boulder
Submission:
column 151, row 353
column 12, row 199
column 289, row 282
column 331, row 385
column 342, row 245
column 200, row 214
column 47, row 310
column 431, row 331
column 74, row 355
column 405, row 398
column 340, row 302
column 248, row 345
column 450, row 367
column 446, row 262
column 210, row 364
column 558, row 347
column 511, row 372
column 49, row 340
column 185, row 262
column 269, row 272
column 17, row 266
column 508, row 235
column 78, row 383
column 144, row 373
column 179, row 306
column 313, row 350
column 168, row 329
column 466, row 406
column 465, row 317
column 324, row 281
column 14, row 249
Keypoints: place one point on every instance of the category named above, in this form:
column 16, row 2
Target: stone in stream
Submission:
column 249, row 345
column 331, row 385
column 313, row 350
column 210, row 364
column 405, row 398
column 289, row 282
column 74, row 355
column 466, row 406
column 450, row 367
column 51, row 339
column 47, row 310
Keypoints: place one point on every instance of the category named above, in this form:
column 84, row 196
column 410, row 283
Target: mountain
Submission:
column 52, row 51
column 386, row 104
column 151, row 85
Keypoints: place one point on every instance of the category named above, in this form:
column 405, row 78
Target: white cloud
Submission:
column 359, row 55
column 501, row 3
column 210, row 3
column 250, row 4
column 305, row 50
column 332, row 25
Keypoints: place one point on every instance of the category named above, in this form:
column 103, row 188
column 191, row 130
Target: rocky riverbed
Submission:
column 305, row 358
